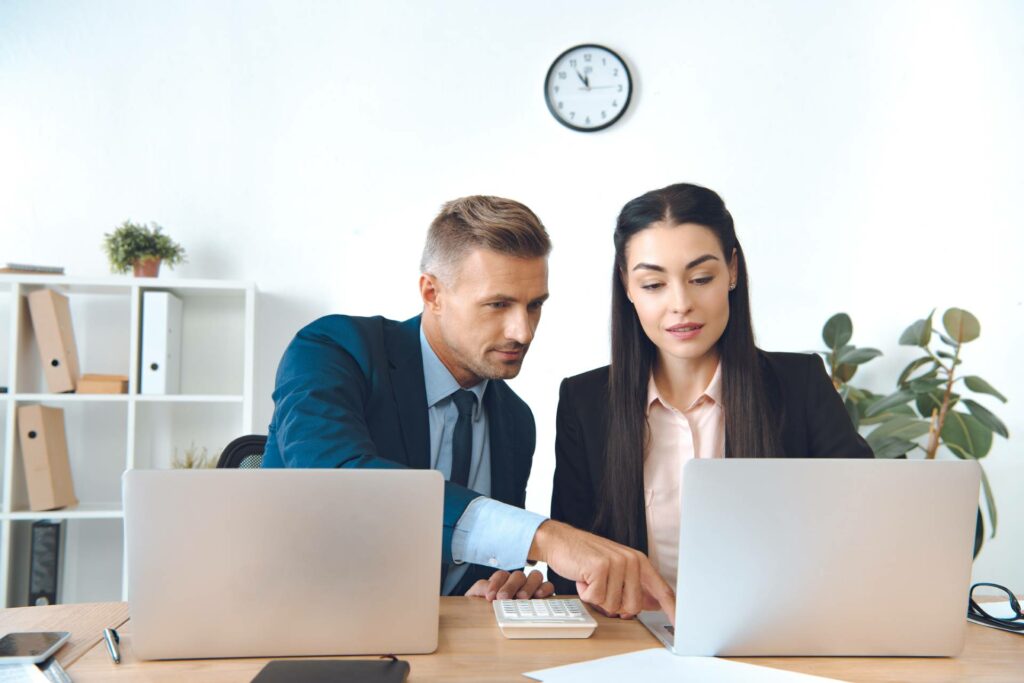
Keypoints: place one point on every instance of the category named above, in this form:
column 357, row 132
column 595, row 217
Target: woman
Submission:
column 685, row 381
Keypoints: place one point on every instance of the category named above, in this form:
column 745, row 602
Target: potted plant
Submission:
column 926, row 411
column 141, row 249
column 194, row 459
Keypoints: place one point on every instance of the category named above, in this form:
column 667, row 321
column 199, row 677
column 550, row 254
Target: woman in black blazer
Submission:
column 680, row 323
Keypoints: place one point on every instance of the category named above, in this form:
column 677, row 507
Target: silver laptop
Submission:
column 270, row 563
column 822, row 557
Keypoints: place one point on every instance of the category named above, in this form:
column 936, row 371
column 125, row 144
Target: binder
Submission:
column 51, row 321
column 160, row 366
column 44, row 452
column 45, row 565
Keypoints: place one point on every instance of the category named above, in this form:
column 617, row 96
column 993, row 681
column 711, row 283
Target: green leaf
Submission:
column 885, row 415
column 844, row 373
column 987, row 418
column 918, row 334
column 857, row 394
column 857, row 356
column 907, row 428
column 966, row 436
column 961, row 325
column 947, row 341
column 890, row 447
column 990, row 501
column 913, row 366
column 944, row 354
column 977, row 384
column 837, row 331
column 926, row 403
column 851, row 410
column 925, row 386
column 890, row 401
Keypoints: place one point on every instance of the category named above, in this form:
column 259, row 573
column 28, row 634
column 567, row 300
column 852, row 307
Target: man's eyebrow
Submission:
column 512, row 299
column 692, row 264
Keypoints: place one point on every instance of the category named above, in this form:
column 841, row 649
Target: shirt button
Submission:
column 493, row 562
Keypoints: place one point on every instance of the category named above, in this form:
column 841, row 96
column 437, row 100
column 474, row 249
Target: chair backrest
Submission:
column 245, row 452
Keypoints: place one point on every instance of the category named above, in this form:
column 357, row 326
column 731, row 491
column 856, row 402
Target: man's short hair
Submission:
column 495, row 223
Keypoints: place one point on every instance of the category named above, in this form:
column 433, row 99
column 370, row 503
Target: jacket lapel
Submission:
column 500, row 436
column 405, row 361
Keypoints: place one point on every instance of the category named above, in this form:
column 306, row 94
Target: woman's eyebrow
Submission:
column 692, row 264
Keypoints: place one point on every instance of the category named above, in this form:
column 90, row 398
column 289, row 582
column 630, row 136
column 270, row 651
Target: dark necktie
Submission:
column 462, row 439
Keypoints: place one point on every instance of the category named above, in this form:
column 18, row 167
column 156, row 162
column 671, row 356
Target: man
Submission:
column 429, row 392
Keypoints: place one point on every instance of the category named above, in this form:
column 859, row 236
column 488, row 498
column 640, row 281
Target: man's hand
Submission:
column 611, row 576
column 517, row 585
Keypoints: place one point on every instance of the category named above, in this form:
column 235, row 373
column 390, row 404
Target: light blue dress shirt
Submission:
column 489, row 532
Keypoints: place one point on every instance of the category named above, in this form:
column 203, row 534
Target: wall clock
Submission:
column 588, row 88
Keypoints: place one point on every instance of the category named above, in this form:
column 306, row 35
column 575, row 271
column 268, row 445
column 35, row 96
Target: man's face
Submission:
column 486, row 315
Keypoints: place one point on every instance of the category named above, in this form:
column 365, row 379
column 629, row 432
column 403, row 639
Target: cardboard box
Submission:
column 44, row 452
column 51, row 321
column 102, row 384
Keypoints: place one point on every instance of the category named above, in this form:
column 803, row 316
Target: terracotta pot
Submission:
column 146, row 267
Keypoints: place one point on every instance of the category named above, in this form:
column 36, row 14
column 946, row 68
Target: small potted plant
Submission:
column 141, row 249
column 194, row 459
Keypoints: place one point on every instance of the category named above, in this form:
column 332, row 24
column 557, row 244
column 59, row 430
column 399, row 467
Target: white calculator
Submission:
column 552, row 618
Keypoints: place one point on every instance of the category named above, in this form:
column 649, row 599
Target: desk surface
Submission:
column 472, row 649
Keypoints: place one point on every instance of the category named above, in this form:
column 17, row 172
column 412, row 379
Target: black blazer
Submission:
column 814, row 425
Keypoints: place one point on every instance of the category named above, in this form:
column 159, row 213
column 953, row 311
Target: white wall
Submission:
column 871, row 153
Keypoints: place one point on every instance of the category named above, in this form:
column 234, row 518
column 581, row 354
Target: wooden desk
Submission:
column 85, row 622
column 472, row 649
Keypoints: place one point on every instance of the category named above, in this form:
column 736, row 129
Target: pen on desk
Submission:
column 110, row 635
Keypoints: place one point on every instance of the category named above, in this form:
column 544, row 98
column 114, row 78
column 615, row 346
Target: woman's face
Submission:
column 678, row 280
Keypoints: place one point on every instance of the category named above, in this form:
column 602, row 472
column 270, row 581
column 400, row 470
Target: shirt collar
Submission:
column 440, row 383
column 713, row 392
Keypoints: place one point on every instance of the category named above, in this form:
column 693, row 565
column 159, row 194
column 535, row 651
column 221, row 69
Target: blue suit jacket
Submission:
column 350, row 393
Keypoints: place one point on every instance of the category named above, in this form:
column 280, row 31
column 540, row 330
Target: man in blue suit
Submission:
column 430, row 393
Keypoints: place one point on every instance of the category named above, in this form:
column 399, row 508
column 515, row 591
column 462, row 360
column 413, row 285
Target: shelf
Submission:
column 114, row 283
column 80, row 511
column 108, row 434
column 71, row 398
column 189, row 398
column 122, row 398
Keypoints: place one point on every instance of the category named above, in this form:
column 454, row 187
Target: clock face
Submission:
column 588, row 88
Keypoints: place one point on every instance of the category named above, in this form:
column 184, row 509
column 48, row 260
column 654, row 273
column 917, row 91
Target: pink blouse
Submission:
column 674, row 438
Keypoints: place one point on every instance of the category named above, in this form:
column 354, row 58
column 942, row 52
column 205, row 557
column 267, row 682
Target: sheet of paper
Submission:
column 21, row 673
column 659, row 665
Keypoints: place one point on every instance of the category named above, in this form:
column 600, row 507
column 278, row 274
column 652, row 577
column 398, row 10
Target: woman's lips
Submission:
column 686, row 331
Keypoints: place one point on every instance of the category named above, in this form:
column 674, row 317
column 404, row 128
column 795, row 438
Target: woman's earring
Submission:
column 732, row 286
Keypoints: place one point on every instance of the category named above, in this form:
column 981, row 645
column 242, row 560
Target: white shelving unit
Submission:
column 108, row 434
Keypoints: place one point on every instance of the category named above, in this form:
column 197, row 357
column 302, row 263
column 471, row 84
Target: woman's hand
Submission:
column 515, row 586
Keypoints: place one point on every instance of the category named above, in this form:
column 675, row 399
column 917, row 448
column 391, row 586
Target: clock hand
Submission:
column 583, row 78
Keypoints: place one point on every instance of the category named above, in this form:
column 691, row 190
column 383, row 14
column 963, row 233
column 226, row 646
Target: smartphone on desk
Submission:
column 31, row 648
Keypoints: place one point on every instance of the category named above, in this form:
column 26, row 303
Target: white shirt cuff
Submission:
column 494, row 534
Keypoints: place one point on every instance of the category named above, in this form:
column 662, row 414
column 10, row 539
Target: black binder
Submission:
column 47, row 554
column 334, row 671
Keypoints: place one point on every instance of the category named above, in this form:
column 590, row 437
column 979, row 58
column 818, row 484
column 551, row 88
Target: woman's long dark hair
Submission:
column 751, row 427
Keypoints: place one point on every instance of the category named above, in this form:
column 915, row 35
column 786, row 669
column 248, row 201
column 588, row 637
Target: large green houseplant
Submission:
column 927, row 409
column 141, row 248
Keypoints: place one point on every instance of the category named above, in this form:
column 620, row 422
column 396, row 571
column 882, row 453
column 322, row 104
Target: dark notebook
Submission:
column 334, row 671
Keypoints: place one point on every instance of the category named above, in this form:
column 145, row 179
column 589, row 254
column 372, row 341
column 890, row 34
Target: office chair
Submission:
column 245, row 452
